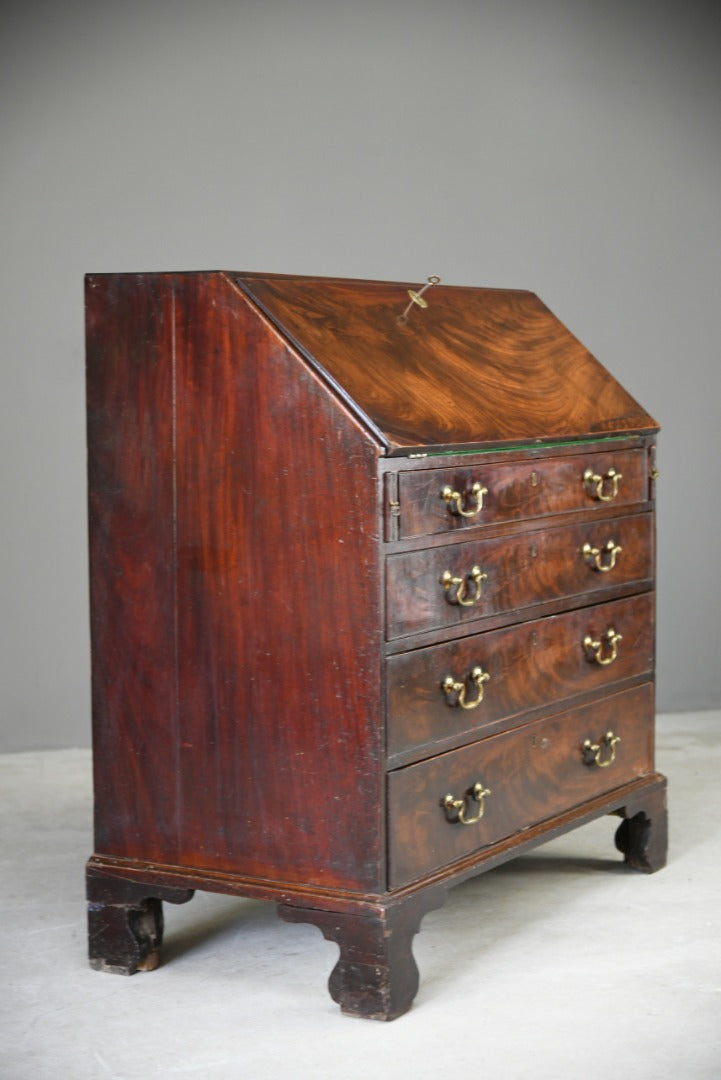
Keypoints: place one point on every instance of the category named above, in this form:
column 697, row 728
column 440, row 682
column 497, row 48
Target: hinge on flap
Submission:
column 653, row 473
column 393, row 507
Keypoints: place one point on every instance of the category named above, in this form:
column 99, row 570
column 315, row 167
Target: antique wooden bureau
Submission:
column 372, row 604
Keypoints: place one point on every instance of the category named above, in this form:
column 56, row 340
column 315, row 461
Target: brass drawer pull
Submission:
column 595, row 648
column 456, row 588
column 453, row 500
column 593, row 751
column 457, row 809
column 457, row 690
column 602, row 559
column 604, row 488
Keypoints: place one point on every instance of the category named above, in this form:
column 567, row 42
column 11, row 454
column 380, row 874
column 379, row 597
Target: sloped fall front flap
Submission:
column 475, row 367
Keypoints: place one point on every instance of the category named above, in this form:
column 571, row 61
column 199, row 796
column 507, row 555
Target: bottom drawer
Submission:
column 511, row 781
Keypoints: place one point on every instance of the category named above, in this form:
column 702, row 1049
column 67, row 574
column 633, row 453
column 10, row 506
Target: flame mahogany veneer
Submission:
column 372, row 604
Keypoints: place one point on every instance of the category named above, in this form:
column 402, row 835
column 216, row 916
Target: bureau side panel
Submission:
column 130, row 488
column 279, row 627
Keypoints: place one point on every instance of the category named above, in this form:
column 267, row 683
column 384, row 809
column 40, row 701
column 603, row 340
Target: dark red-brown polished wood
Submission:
column 132, row 573
column 520, row 571
column 278, row 615
column 514, row 493
column 235, row 593
column 523, row 668
column 531, row 773
column 282, row 480
column 477, row 366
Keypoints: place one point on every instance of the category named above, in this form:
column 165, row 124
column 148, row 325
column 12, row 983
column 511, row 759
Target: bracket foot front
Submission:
column 376, row 976
column 125, row 922
column 642, row 836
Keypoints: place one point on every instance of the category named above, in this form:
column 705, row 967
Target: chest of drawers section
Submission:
column 520, row 645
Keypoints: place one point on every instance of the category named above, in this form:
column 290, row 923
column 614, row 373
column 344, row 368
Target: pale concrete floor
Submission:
column 562, row 964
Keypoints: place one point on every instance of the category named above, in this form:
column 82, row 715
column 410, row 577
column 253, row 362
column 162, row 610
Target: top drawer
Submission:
column 444, row 500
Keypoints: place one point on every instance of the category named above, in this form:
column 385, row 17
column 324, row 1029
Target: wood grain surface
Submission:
column 132, row 571
column 235, row 577
column 520, row 571
column 527, row 666
column 477, row 366
column 532, row 774
column 515, row 491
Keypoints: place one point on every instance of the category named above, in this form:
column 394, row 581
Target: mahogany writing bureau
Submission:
column 372, row 604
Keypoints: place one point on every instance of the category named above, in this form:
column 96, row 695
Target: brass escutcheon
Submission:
column 456, row 691
column 460, row 585
column 595, row 648
column 593, row 751
column 457, row 809
column 596, row 485
column 602, row 559
column 454, row 500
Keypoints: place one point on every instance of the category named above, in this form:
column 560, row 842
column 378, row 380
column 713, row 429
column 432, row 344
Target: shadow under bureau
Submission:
column 372, row 604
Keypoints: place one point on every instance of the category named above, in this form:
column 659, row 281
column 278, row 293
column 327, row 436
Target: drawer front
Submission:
column 445, row 500
column 459, row 583
column 530, row 775
column 453, row 689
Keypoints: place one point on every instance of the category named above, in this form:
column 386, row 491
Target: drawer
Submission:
column 450, row 690
column 443, row 500
column 459, row 583
column 530, row 774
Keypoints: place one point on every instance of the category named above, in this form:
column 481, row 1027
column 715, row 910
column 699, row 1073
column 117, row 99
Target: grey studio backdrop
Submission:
column 571, row 147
